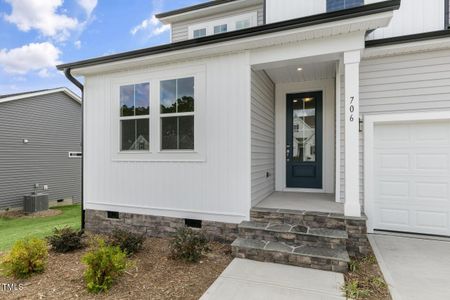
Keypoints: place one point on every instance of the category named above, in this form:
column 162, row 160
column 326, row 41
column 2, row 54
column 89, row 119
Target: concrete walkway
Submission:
column 414, row 267
column 247, row 279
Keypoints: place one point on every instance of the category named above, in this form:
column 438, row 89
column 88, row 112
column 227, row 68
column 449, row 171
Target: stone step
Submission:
column 299, row 217
column 302, row 256
column 294, row 235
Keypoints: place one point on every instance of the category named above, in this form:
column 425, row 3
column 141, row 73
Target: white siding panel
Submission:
column 216, row 189
column 263, row 136
column 407, row 83
column 180, row 29
column 414, row 16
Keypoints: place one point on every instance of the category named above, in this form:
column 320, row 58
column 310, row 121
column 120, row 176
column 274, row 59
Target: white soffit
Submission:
column 309, row 72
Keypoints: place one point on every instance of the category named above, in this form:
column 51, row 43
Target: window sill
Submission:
column 160, row 156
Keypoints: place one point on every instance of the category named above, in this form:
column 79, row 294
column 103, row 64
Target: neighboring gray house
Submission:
column 40, row 136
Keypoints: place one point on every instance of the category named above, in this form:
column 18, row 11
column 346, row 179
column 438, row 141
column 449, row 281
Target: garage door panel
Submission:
column 437, row 191
column 412, row 177
column 431, row 161
column 432, row 220
column 393, row 161
column 394, row 189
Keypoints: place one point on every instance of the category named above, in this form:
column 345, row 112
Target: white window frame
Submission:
column 176, row 114
column 230, row 21
column 220, row 27
column 154, row 78
column 129, row 118
column 193, row 33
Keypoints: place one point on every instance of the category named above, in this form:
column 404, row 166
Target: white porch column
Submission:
column 351, row 63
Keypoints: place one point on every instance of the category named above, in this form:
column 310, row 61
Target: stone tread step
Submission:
column 305, row 213
column 326, row 253
column 295, row 229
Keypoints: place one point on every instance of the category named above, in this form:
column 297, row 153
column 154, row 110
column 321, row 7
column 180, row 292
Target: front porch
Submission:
column 305, row 134
column 301, row 201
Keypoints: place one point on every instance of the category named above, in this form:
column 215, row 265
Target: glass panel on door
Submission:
column 304, row 129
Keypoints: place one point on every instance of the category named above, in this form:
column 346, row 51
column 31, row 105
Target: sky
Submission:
column 37, row 35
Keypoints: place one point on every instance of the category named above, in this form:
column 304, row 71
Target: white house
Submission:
column 228, row 109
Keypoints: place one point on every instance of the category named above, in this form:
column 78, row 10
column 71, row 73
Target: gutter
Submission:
column 81, row 87
column 418, row 37
column 369, row 9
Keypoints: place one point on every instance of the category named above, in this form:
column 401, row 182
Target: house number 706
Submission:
column 352, row 109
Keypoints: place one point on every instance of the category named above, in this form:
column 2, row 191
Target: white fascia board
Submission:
column 320, row 31
column 210, row 11
column 406, row 48
column 68, row 92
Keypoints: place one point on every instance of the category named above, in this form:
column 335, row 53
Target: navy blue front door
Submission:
column 304, row 140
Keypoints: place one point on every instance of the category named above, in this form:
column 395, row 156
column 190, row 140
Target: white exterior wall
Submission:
column 263, row 136
column 180, row 30
column 414, row 16
column 216, row 187
column 416, row 82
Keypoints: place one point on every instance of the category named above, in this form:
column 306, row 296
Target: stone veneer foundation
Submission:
column 155, row 226
column 357, row 243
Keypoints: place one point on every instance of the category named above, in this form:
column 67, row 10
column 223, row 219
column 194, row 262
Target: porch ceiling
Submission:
column 309, row 72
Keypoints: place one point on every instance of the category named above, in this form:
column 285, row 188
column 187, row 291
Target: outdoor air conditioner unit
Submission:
column 35, row 202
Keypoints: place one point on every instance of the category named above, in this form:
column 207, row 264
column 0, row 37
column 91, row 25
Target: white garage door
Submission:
column 412, row 177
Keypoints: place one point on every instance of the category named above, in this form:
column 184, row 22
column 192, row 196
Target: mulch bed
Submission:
column 366, row 275
column 152, row 276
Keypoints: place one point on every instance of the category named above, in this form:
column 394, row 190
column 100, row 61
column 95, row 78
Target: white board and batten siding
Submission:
column 216, row 187
column 414, row 16
column 180, row 30
column 263, row 136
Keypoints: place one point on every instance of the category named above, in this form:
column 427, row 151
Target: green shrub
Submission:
column 26, row 257
column 127, row 241
column 104, row 264
column 66, row 239
column 188, row 245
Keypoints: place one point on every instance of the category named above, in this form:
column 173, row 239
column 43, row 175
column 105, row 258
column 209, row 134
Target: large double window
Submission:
column 333, row 5
column 134, row 117
column 177, row 114
column 152, row 125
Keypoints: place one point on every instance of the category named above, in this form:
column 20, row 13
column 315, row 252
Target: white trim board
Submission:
column 328, row 167
column 42, row 93
column 369, row 123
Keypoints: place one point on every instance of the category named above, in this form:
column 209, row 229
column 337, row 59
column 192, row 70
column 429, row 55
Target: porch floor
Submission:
column 317, row 202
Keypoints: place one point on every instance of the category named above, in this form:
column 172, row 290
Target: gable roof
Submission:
column 29, row 94
column 378, row 7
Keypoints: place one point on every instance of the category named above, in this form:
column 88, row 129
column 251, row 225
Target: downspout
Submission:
column 81, row 87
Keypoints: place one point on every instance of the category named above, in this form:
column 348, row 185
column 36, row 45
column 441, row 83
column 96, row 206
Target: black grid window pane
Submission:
column 169, row 133
column 186, row 133
column 135, row 135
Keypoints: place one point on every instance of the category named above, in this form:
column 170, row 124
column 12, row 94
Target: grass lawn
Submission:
column 13, row 229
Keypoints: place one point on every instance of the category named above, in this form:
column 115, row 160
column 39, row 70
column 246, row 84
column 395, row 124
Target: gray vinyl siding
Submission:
column 52, row 124
column 400, row 84
column 262, row 136
column 180, row 29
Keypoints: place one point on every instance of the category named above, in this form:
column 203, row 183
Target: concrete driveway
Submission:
column 252, row 280
column 414, row 267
